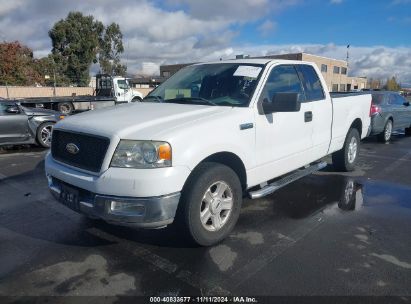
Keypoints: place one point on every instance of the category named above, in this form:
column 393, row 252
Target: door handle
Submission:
column 308, row 116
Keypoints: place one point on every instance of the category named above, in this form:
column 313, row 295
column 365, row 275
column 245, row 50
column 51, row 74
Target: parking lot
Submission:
column 327, row 234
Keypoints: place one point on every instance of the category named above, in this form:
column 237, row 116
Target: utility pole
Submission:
column 7, row 89
column 348, row 55
column 54, row 79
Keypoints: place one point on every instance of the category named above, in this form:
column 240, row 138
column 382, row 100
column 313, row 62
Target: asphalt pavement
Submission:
column 327, row 234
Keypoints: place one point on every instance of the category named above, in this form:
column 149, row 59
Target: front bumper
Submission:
column 146, row 212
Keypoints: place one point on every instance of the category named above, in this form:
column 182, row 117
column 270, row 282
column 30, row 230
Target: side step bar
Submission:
column 295, row 175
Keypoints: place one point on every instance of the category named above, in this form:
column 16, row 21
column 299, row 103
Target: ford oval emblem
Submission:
column 72, row 148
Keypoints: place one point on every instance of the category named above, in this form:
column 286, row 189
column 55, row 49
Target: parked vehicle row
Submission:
column 21, row 125
column 206, row 137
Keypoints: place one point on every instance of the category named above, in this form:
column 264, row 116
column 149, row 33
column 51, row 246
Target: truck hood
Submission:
column 143, row 121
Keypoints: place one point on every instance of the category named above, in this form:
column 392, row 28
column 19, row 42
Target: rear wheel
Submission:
column 210, row 204
column 136, row 99
column 385, row 136
column 44, row 134
column 65, row 108
column 408, row 131
column 346, row 158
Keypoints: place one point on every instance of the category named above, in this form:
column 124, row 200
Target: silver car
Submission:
column 20, row 125
column 389, row 112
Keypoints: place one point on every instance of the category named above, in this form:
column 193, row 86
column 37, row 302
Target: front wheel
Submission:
column 43, row 135
column 211, row 203
column 346, row 158
column 136, row 99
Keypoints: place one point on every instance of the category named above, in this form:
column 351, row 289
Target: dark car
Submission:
column 20, row 125
column 389, row 111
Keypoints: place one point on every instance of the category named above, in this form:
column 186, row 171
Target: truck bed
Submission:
column 347, row 107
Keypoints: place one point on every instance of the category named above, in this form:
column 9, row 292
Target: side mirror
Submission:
column 13, row 110
column 282, row 102
column 407, row 103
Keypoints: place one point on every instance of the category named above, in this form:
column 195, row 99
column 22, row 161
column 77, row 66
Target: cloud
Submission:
column 372, row 61
column 267, row 27
column 237, row 11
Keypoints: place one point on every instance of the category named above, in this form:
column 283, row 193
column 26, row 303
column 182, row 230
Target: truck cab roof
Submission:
column 262, row 61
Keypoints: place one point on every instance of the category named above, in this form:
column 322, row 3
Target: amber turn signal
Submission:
column 164, row 152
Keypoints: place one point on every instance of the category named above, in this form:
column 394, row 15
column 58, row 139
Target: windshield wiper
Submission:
column 158, row 98
column 194, row 99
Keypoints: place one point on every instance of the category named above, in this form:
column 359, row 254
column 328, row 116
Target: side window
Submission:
column 311, row 82
column 2, row 108
column 399, row 100
column 393, row 100
column 282, row 79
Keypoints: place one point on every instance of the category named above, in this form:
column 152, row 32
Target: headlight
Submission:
column 142, row 154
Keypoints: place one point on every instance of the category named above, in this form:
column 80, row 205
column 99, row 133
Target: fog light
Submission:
column 127, row 207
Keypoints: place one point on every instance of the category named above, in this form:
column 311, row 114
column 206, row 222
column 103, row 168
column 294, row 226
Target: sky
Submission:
column 178, row 31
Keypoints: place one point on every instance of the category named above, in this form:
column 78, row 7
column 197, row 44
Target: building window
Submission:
column 342, row 87
column 335, row 87
column 344, row 71
column 336, row 70
column 166, row 74
column 324, row 68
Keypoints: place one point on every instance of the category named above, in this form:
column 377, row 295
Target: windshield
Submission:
column 221, row 84
column 122, row 84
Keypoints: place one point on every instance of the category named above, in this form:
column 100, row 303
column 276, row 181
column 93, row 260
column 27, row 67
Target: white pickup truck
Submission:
column 202, row 140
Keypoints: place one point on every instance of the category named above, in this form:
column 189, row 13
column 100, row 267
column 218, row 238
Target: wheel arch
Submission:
column 357, row 124
column 232, row 161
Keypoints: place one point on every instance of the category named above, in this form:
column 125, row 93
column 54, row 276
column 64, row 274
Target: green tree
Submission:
column 50, row 71
column 111, row 47
column 17, row 65
column 75, row 42
column 392, row 84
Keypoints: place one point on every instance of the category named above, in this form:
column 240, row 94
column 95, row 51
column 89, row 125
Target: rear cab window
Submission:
column 312, row 84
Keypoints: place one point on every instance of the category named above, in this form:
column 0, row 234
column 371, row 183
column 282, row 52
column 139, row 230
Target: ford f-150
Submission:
column 201, row 141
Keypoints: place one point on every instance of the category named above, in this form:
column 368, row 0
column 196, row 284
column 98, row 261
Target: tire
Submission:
column 385, row 136
column 408, row 131
column 346, row 158
column 43, row 136
column 136, row 99
column 65, row 108
column 200, row 197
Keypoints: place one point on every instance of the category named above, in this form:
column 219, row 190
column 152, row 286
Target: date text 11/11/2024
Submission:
column 203, row 300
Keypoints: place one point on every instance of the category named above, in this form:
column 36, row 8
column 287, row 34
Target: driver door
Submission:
column 123, row 90
column 13, row 124
column 283, row 139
